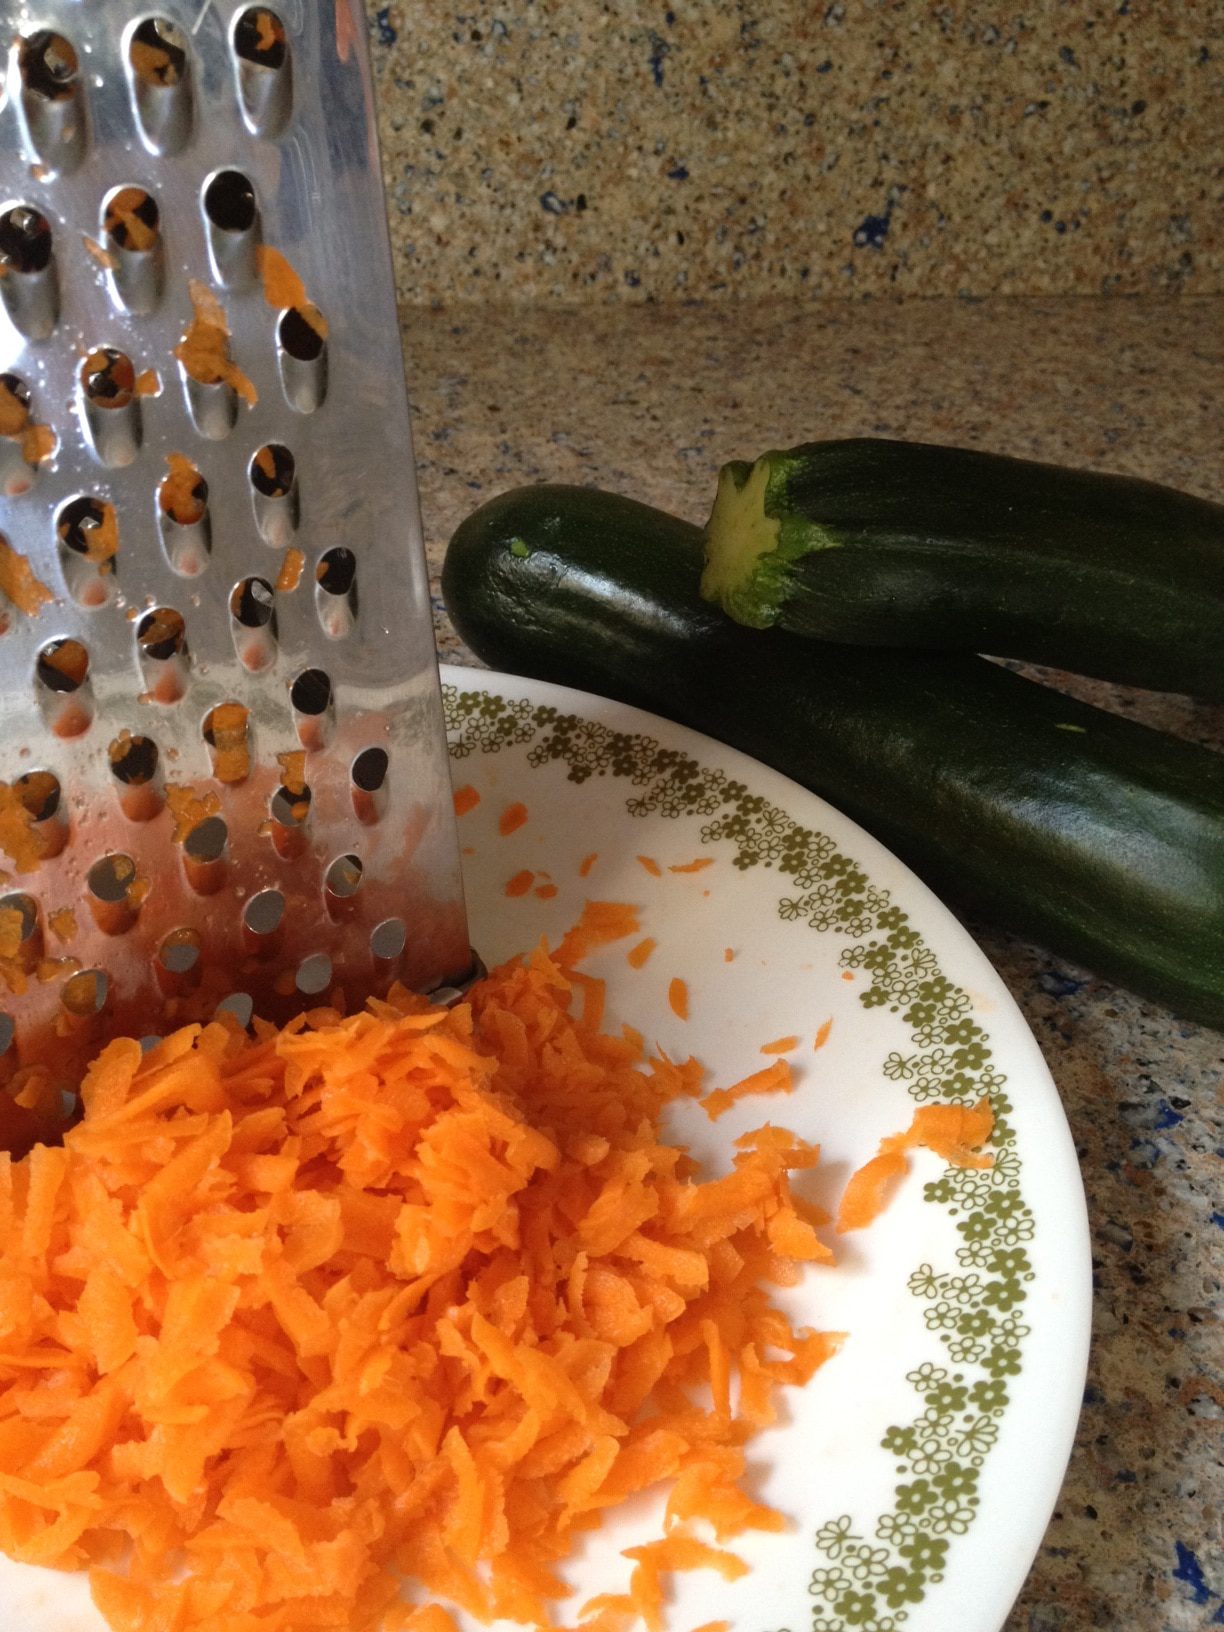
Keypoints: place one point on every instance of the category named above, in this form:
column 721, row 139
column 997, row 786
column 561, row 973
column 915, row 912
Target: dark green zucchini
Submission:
column 1088, row 832
column 880, row 543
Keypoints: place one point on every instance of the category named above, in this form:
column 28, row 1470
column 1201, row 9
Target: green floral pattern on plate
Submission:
column 870, row 1574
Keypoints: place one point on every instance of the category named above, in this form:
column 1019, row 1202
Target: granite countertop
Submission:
column 649, row 401
column 569, row 150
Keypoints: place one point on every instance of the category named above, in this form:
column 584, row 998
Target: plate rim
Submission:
column 994, row 1593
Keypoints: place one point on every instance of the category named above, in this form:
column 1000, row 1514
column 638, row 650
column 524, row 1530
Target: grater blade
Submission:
column 221, row 739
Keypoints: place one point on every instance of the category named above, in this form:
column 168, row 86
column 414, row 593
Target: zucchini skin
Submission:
column 1096, row 836
column 887, row 543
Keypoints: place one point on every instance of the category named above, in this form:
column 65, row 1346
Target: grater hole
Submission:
column 259, row 38
column 133, row 760
column 343, row 878
column 26, row 909
column 226, row 730
column 368, row 789
column 132, row 220
column 337, row 571
column 336, row 592
column 370, row 770
column 88, row 533
column 253, row 603
column 229, row 202
column 291, row 809
column 88, row 526
column 110, row 880
column 311, row 693
column 24, row 444
column 162, row 634
column 15, row 404
column 263, row 913
column 207, row 840
column 253, row 610
column 25, row 240
column 49, row 65
column 272, row 471
column 39, row 794
column 157, row 52
column 314, row 974
column 182, row 501
column 388, row 939
column 239, row 1005
column 63, row 666
column 179, row 954
column 300, row 333
column 84, row 994
column 108, row 378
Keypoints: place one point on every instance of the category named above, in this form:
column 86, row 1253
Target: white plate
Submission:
column 920, row 1465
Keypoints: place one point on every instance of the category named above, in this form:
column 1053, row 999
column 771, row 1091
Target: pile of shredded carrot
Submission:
column 328, row 1326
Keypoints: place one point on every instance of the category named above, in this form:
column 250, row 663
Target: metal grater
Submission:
column 185, row 859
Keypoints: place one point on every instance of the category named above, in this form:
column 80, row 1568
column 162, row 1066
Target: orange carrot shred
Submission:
column 466, row 798
column 678, row 998
column 511, row 819
column 728, row 954
column 546, row 892
column 692, row 866
column 780, row 1045
column 587, row 862
column 775, row 1078
column 955, row 1132
column 822, row 1034
column 407, row 1297
column 520, row 883
column 637, row 955
column 651, row 866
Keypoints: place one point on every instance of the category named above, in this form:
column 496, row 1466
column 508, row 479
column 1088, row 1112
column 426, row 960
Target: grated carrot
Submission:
column 410, row 1296
column 587, row 862
column 511, row 819
column 637, row 955
column 651, row 866
column 728, row 954
column 466, row 798
column 678, row 999
column 780, row 1045
column 822, row 1034
column 955, row 1132
column 520, row 883
column 18, row 583
column 290, row 574
column 770, row 1079
column 546, row 892
column 697, row 866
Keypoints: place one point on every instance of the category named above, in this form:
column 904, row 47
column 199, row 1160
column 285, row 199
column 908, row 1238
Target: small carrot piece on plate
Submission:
column 511, row 819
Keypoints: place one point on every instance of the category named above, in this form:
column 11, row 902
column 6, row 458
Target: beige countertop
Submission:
column 578, row 150
column 649, row 400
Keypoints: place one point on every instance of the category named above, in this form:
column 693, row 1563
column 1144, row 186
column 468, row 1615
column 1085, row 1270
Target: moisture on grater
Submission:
column 223, row 774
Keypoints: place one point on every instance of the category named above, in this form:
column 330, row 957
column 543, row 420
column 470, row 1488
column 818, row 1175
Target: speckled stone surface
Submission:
column 579, row 149
column 650, row 401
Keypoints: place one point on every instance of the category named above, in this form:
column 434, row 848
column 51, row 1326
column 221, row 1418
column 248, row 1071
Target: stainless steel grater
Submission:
column 224, row 761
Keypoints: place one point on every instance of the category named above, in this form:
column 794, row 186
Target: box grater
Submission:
column 221, row 740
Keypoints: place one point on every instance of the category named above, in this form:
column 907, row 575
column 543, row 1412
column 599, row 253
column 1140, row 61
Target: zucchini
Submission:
column 1097, row 836
column 880, row 543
